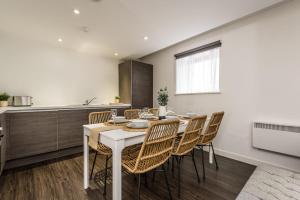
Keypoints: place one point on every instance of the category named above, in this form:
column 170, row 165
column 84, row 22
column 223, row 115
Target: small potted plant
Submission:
column 4, row 99
column 162, row 99
column 117, row 99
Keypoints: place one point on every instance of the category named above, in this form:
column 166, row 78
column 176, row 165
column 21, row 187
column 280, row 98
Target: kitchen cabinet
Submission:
column 31, row 133
column 38, row 135
column 120, row 111
column 97, row 110
column 70, row 128
column 2, row 142
column 136, row 84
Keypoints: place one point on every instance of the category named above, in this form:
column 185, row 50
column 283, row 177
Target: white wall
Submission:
column 54, row 75
column 259, row 79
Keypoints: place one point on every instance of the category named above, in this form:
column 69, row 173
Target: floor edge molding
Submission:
column 247, row 159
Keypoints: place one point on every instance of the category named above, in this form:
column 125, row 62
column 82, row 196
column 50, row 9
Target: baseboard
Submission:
column 247, row 159
column 35, row 159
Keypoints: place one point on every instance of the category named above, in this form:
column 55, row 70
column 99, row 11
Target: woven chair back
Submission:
column 157, row 146
column 212, row 128
column 99, row 117
column 191, row 135
column 132, row 114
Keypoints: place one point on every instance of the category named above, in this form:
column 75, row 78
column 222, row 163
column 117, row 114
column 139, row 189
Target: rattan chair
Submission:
column 132, row 113
column 209, row 134
column 154, row 111
column 186, row 143
column 155, row 151
column 95, row 118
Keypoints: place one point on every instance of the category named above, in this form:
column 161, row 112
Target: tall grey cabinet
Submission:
column 136, row 83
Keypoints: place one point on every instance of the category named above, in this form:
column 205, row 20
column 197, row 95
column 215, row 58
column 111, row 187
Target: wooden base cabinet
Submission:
column 31, row 133
column 40, row 135
column 70, row 128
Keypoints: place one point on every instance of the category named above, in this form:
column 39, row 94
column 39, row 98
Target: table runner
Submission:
column 94, row 135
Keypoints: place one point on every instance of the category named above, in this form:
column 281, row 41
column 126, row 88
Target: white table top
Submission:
column 120, row 134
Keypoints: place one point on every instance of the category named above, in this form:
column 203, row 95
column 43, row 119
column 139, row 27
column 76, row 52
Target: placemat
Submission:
column 115, row 124
column 125, row 128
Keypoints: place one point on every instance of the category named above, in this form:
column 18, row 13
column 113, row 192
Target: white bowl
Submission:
column 171, row 117
column 191, row 114
column 138, row 123
column 147, row 116
column 171, row 113
column 119, row 119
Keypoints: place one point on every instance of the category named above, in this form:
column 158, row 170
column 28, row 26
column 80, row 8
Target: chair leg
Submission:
column 146, row 181
column 91, row 175
column 179, row 175
column 203, row 167
column 167, row 182
column 173, row 160
column 193, row 158
column 139, row 186
column 153, row 176
column 212, row 146
column 105, row 177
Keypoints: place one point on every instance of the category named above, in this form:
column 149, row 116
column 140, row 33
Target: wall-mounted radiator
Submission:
column 277, row 137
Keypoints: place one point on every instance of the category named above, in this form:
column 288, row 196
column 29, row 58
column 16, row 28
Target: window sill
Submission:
column 197, row 93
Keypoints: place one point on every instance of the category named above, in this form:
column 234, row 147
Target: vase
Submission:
column 162, row 111
column 117, row 100
column 3, row 103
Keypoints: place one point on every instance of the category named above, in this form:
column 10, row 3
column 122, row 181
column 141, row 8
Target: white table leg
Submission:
column 117, row 169
column 85, row 160
column 210, row 152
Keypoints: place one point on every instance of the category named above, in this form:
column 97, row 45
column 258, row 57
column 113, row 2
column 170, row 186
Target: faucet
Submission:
column 87, row 102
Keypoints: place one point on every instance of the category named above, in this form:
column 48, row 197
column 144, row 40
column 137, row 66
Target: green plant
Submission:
column 117, row 97
column 4, row 96
column 163, row 96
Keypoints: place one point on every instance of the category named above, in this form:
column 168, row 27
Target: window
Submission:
column 197, row 70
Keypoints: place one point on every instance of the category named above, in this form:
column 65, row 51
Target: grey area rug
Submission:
column 271, row 183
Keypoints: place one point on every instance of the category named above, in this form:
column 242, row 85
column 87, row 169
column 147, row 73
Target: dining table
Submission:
column 117, row 140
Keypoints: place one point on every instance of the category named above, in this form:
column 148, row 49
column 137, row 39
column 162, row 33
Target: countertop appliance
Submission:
column 21, row 101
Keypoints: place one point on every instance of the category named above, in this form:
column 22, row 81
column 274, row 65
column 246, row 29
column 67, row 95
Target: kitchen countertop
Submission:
column 59, row 107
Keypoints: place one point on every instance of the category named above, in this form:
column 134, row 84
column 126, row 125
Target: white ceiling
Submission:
column 120, row 25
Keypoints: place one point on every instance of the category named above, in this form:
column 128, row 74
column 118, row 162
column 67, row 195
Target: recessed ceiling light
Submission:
column 60, row 40
column 116, row 54
column 76, row 11
column 146, row 38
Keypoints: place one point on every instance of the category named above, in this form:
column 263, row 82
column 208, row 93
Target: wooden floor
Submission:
column 62, row 179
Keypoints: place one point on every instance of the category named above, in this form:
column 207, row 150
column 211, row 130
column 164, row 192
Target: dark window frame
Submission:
column 202, row 48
